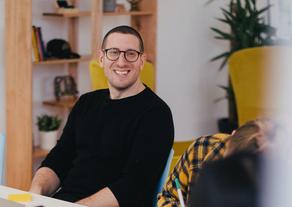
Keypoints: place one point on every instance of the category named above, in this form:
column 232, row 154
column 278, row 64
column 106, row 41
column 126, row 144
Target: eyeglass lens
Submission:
column 114, row 54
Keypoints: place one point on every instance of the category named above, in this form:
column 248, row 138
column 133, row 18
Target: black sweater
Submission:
column 121, row 144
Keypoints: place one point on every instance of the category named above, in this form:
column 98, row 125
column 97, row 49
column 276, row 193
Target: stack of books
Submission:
column 38, row 47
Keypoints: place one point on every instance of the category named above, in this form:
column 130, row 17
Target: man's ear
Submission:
column 101, row 58
column 143, row 60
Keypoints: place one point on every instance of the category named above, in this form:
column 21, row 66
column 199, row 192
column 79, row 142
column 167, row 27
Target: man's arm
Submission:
column 58, row 162
column 103, row 198
column 45, row 182
column 152, row 141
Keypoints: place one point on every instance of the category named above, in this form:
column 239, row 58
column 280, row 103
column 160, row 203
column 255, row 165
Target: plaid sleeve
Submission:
column 169, row 196
column 188, row 167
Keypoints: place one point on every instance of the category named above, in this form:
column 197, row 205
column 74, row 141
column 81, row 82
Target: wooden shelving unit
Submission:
column 63, row 61
column 18, row 46
column 67, row 104
column 39, row 153
column 87, row 13
column 138, row 13
column 69, row 15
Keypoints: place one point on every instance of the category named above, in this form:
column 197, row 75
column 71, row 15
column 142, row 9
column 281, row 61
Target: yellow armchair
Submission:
column 99, row 81
column 179, row 148
column 249, row 72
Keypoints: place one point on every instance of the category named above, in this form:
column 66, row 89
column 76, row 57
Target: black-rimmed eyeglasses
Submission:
column 130, row 55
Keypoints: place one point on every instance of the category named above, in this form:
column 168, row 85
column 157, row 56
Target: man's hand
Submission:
column 103, row 198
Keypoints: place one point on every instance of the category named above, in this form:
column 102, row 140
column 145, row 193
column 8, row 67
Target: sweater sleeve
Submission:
column 60, row 158
column 152, row 143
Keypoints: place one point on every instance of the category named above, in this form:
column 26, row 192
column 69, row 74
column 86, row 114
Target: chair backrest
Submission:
column 164, row 175
column 180, row 147
column 249, row 72
column 99, row 80
column 2, row 157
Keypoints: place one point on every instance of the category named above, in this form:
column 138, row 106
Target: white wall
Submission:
column 186, row 79
column 2, row 74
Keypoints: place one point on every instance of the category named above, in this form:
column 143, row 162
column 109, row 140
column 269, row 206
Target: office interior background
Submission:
column 186, row 79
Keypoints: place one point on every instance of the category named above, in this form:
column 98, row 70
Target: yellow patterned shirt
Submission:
column 187, row 168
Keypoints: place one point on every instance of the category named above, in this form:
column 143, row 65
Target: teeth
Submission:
column 122, row 72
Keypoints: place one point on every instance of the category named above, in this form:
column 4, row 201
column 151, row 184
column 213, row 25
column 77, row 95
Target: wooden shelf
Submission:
column 39, row 153
column 68, row 15
column 63, row 61
column 67, row 103
column 137, row 13
column 87, row 13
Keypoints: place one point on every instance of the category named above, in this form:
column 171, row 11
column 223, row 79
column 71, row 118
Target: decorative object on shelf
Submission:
column 48, row 127
column 109, row 5
column 65, row 87
column 120, row 8
column 134, row 5
column 59, row 48
column 63, row 6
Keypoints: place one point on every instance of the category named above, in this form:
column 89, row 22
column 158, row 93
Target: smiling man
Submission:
column 116, row 141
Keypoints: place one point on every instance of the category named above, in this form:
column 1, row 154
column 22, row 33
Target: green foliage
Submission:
column 48, row 123
column 247, row 28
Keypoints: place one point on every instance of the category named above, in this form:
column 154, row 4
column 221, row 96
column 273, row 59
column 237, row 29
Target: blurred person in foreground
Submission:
column 230, row 182
column 254, row 136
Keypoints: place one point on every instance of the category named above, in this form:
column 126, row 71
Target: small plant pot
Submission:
column 48, row 139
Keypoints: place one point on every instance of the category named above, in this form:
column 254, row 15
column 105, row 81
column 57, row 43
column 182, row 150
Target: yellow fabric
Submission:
column 99, row 81
column 174, row 161
column 201, row 150
column 249, row 70
column 180, row 147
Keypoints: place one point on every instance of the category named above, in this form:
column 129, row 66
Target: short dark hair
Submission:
column 124, row 29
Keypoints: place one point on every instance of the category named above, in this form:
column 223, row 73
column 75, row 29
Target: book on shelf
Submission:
column 34, row 46
column 38, row 44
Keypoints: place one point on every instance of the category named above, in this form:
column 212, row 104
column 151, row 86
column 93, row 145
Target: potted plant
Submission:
column 48, row 127
column 247, row 29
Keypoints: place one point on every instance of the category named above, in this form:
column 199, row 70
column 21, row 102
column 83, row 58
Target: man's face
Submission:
column 122, row 74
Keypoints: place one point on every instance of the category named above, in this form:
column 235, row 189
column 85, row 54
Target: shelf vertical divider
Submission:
column 18, row 76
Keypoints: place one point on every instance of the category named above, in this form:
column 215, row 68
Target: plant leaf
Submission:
column 222, row 55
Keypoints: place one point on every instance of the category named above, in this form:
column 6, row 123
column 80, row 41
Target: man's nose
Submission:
column 122, row 60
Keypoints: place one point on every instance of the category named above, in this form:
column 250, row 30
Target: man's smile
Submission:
column 122, row 72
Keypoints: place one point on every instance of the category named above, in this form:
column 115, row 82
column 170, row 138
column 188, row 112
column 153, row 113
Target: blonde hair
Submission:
column 252, row 136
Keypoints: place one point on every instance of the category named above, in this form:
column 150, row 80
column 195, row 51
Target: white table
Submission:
column 36, row 199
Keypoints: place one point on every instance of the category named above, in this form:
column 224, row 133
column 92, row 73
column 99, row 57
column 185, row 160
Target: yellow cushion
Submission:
column 148, row 75
column 249, row 70
column 180, row 147
column 99, row 80
column 174, row 160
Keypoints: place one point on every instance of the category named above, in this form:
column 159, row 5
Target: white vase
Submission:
column 48, row 139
